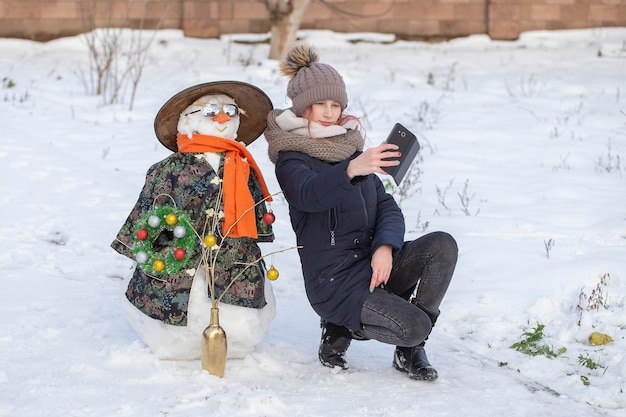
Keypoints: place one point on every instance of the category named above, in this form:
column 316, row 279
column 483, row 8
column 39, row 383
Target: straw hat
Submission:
column 249, row 98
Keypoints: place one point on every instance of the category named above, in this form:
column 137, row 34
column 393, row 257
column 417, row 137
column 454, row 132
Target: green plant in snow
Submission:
column 531, row 344
column 585, row 380
column 587, row 362
column 7, row 82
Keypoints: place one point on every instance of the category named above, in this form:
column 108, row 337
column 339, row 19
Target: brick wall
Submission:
column 508, row 18
column 408, row 19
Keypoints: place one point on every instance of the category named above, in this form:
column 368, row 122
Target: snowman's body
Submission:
column 245, row 327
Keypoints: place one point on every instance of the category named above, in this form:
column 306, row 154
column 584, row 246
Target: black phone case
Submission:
column 408, row 147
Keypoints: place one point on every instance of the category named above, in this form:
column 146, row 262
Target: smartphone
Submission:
column 408, row 147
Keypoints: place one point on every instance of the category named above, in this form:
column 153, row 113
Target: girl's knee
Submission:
column 419, row 331
column 445, row 244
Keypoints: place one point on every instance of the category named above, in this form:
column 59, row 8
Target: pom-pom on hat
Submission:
column 250, row 99
column 311, row 81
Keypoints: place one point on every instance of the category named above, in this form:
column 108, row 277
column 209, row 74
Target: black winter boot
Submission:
column 413, row 360
column 333, row 346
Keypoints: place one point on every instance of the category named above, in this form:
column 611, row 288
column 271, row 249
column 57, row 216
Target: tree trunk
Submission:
column 285, row 19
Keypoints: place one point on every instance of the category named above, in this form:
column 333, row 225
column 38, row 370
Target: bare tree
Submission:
column 138, row 52
column 117, row 54
column 285, row 19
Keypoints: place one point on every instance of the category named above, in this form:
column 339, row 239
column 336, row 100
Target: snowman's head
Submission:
column 213, row 115
column 191, row 111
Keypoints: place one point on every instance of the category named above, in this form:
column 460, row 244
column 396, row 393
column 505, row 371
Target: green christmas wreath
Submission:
column 163, row 241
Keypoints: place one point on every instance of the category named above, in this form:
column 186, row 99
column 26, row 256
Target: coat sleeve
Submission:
column 307, row 189
column 390, row 226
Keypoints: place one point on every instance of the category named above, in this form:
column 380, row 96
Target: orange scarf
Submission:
column 239, row 213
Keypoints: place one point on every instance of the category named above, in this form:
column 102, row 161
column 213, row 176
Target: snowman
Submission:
column 194, row 230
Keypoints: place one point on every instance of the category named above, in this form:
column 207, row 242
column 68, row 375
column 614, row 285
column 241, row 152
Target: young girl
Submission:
column 361, row 277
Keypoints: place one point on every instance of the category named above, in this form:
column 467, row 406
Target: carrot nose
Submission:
column 221, row 118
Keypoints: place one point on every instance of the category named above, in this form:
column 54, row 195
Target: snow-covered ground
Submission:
column 523, row 161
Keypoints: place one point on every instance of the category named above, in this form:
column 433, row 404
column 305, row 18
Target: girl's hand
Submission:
column 382, row 261
column 371, row 161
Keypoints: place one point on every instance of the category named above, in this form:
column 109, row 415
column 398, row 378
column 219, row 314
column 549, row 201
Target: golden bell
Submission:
column 214, row 346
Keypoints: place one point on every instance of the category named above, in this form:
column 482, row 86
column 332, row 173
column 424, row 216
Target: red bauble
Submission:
column 142, row 234
column 180, row 254
column 269, row 217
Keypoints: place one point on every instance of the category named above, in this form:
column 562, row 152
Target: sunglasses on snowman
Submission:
column 212, row 110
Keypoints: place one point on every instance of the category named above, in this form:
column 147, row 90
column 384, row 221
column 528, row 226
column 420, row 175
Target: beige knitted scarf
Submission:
column 290, row 133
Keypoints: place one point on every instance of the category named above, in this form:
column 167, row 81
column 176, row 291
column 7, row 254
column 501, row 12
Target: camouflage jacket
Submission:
column 191, row 182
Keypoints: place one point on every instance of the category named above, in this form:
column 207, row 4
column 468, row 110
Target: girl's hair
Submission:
column 345, row 117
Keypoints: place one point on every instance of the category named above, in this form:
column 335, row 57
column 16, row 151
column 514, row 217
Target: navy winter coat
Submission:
column 339, row 223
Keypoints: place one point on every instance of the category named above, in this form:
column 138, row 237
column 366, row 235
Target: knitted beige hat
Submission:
column 311, row 81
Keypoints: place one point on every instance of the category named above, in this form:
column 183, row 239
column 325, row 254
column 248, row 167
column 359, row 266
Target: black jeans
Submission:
column 424, row 267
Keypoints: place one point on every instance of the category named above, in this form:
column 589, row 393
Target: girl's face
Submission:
column 325, row 112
